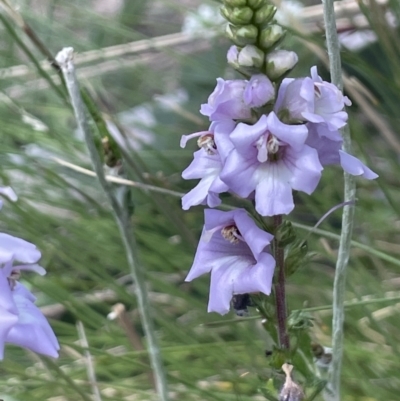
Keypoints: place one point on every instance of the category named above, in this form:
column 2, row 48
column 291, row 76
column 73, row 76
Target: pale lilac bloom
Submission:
column 21, row 322
column 329, row 103
column 226, row 102
column 328, row 144
column 32, row 330
column 295, row 96
column 259, row 91
column 312, row 100
column 206, row 166
column 272, row 159
column 236, row 252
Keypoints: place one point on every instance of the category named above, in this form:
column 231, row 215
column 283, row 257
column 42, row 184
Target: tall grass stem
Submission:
column 339, row 287
column 65, row 60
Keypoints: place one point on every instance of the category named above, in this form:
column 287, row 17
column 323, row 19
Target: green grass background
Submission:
column 66, row 215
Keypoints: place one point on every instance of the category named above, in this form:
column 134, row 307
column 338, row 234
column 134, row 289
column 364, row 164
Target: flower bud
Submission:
column 259, row 91
column 248, row 33
column 278, row 62
column 243, row 35
column 240, row 15
column 265, row 14
column 226, row 12
column 235, row 3
column 249, row 56
column 256, row 4
column 271, row 35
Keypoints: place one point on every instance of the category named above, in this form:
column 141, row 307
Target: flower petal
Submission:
column 273, row 192
column 257, row 277
column 306, row 169
column 32, row 330
column 23, row 251
column 354, row 166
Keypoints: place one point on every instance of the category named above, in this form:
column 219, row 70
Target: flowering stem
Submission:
column 64, row 58
column 280, row 296
column 347, row 218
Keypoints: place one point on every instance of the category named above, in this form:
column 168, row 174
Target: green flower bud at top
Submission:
column 265, row 14
column 256, row 4
column 271, row 35
column 278, row 62
column 248, row 32
column 242, row 35
column 240, row 15
column 226, row 12
column 235, row 3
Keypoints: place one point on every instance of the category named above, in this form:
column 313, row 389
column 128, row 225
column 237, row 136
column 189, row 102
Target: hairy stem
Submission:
column 347, row 217
column 64, row 58
column 280, row 295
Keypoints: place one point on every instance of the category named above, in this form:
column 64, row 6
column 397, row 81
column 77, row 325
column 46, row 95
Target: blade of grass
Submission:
column 64, row 58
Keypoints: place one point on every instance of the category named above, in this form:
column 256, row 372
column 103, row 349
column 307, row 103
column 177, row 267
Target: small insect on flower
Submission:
column 240, row 302
column 291, row 391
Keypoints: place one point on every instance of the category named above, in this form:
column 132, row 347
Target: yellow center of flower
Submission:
column 207, row 143
column 272, row 145
column 268, row 148
column 231, row 234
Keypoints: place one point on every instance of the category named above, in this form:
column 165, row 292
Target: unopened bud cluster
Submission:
column 255, row 33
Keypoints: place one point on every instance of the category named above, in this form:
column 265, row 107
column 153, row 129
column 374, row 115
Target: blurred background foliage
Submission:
column 151, row 92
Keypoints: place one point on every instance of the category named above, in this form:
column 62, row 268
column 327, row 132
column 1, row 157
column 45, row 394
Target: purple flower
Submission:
column 328, row 144
column 206, row 165
column 313, row 100
column 259, row 91
column 32, row 330
column 271, row 158
column 226, row 102
column 21, row 322
column 236, row 253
